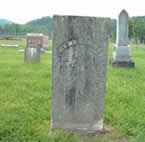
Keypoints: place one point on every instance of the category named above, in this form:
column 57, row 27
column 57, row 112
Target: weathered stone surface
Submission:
column 122, row 52
column 122, row 29
column 79, row 60
column 31, row 54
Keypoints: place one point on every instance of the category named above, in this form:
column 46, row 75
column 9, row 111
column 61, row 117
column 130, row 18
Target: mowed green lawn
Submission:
column 25, row 100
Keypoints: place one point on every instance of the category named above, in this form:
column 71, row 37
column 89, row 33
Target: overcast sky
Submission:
column 22, row 11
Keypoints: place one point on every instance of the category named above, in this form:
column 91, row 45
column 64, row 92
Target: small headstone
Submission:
column 9, row 45
column 21, row 50
column 42, row 50
column 31, row 54
column 35, row 38
column 38, row 39
column 45, row 42
column 122, row 54
column 48, row 52
column 79, row 60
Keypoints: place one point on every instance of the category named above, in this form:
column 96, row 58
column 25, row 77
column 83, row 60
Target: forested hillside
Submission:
column 42, row 25
column 4, row 21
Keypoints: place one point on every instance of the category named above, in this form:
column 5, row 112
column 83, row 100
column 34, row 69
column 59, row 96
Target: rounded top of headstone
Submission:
column 32, row 46
column 123, row 12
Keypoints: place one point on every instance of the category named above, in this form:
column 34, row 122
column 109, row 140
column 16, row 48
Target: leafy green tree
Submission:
column 131, row 28
column 139, row 29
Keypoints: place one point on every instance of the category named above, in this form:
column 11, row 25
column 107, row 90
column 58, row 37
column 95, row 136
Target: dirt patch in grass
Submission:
column 109, row 134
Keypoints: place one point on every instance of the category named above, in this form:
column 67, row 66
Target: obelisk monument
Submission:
column 122, row 53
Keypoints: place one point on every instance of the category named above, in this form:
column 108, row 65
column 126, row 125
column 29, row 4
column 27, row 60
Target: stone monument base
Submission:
column 98, row 127
column 124, row 64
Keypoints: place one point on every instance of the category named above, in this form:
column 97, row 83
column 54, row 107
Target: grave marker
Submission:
column 122, row 54
column 79, row 60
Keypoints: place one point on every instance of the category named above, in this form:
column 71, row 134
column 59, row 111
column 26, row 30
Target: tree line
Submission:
column 44, row 25
column 16, row 29
column 136, row 29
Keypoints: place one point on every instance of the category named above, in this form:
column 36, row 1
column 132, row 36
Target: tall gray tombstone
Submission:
column 79, row 60
column 122, row 54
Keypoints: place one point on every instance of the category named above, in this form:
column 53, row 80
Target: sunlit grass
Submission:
column 25, row 100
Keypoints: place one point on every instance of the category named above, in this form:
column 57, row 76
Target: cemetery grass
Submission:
column 25, row 100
